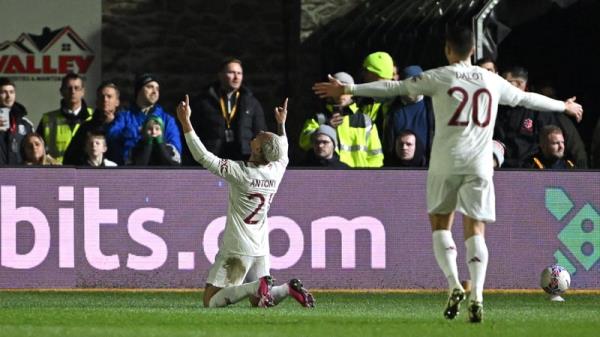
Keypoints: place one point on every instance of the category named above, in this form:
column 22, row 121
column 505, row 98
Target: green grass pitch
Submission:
column 180, row 313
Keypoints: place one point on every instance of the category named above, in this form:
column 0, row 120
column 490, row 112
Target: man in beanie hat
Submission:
column 245, row 243
column 359, row 144
column 324, row 151
column 124, row 133
column 377, row 66
column 228, row 115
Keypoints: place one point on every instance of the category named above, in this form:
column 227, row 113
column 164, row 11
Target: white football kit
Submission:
column 465, row 103
column 246, row 235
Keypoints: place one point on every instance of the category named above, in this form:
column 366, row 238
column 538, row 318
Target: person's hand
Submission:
column 333, row 88
column 281, row 112
column 574, row 109
column 184, row 111
column 336, row 119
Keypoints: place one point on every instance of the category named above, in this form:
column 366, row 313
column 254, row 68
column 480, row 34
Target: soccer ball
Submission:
column 555, row 280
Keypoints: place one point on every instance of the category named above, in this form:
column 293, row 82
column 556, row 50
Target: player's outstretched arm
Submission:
column 333, row 88
column 574, row 109
column 281, row 117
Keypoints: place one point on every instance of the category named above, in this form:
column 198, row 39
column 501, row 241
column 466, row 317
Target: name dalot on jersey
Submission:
column 469, row 76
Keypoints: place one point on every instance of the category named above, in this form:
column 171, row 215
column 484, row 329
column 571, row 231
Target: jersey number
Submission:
column 456, row 121
column 248, row 220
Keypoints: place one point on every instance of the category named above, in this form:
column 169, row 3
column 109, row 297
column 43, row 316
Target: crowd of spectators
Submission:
column 348, row 133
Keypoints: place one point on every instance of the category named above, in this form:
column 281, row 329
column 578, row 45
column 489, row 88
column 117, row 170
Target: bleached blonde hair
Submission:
column 273, row 148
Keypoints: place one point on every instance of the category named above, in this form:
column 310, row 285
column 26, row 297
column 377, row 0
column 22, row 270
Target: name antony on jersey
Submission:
column 262, row 183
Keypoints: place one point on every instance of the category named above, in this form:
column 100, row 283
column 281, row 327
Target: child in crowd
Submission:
column 152, row 150
column 95, row 148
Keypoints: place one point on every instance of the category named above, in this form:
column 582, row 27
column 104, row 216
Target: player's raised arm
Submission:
column 281, row 117
column 184, row 111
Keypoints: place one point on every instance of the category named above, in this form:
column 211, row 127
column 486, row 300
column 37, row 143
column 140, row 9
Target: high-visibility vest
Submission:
column 312, row 124
column 57, row 132
column 359, row 142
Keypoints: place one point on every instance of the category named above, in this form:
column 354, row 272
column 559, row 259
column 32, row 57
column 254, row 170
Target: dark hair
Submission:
column 108, row 84
column 96, row 133
column 228, row 60
column 6, row 81
column 406, row 132
column 516, row 71
column 460, row 40
column 486, row 60
column 68, row 77
column 548, row 130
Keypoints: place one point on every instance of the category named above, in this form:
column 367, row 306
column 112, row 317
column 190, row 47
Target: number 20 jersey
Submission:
column 251, row 190
column 465, row 103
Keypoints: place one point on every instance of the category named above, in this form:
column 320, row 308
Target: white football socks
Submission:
column 233, row 294
column 477, row 260
column 445, row 253
column 279, row 293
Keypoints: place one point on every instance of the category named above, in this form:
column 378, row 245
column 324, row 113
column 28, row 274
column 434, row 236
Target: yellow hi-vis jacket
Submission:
column 359, row 142
column 312, row 124
column 57, row 132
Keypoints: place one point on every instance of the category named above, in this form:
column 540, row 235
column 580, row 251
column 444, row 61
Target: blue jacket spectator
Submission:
column 124, row 132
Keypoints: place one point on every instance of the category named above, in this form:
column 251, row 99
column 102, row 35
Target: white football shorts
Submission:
column 469, row 194
column 232, row 269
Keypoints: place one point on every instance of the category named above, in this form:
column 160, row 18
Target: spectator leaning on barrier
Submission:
column 13, row 124
column 33, row 151
column 125, row 131
column 152, row 150
column 58, row 127
column 324, row 151
column 551, row 154
column 227, row 115
column 107, row 104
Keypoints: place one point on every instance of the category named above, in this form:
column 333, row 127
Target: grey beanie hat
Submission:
column 343, row 77
column 327, row 131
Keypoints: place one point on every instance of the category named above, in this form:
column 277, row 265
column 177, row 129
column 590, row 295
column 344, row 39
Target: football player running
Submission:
column 465, row 102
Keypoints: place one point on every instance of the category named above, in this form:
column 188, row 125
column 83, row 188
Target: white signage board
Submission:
column 41, row 41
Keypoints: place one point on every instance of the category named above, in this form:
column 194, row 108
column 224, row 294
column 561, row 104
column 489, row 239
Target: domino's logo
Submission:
column 581, row 233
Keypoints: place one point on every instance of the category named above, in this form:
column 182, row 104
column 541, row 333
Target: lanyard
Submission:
column 229, row 116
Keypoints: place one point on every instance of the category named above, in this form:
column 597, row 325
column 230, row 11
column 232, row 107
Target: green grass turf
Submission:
column 55, row 313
